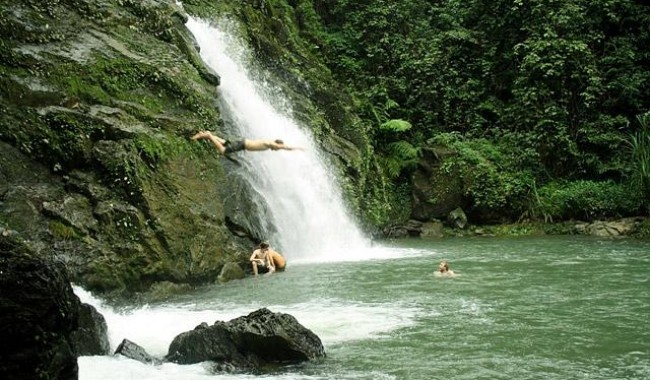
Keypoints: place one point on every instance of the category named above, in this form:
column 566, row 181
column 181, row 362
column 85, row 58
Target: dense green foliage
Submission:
column 585, row 200
column 551, row 88
column 491, row 181
column 639, row 145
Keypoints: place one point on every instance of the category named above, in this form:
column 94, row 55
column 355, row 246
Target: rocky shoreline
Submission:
column 632, row 227
column 46, row 327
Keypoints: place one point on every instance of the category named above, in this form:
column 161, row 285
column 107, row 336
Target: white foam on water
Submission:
column 338, row 322
column 375, row 252
column 154, row 327
column 120, row 367
column 334, row 321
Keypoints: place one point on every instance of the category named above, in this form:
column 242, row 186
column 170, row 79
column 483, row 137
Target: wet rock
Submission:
column 188, row 45
column 248, row 342
column 28, row 184
column 120, row 215
column 163, row 290
column 457, row 218
column 432, row 229
column 133, row 351
column 412, row 228
column 38, row 313
column 395, row 232
column 614, row 228
column 30, row 91
column 229, row 272
column 74, row 211
column 91, row 338
column 436, row 192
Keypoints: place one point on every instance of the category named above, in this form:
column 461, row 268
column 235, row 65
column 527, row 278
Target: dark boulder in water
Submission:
column 253, row 341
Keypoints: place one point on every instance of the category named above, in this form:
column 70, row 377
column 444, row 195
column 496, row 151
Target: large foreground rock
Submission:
column 248, row 342
column 38, row 314
column 43, row 325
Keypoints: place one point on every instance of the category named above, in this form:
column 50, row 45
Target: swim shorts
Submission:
column 234, row 146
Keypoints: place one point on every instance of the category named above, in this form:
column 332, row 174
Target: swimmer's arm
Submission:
column 275, row 146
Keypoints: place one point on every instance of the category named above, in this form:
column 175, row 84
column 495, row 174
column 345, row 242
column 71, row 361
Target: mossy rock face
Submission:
column 436, row 191
column 98, row 100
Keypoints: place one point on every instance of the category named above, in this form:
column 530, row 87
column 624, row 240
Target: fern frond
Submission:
column 392, row 166
column 395, row 125
column 403, row 150
column 390, row 104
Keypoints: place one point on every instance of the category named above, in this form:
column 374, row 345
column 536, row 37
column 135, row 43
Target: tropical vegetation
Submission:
column 545, row 102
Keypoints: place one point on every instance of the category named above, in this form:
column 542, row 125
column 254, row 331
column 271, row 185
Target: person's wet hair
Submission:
column 278, row 141
column 264, row 245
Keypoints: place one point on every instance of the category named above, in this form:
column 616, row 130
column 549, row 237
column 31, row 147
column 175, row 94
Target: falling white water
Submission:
column 307, row 217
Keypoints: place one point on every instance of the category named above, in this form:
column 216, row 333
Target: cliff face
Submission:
column 98, row 99
column 97, row 103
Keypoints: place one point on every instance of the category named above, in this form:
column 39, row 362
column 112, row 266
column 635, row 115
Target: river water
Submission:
column 519, row 308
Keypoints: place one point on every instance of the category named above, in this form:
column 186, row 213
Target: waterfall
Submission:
column 305, row 214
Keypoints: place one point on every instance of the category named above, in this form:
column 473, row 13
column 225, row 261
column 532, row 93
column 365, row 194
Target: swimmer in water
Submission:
column 444, row 270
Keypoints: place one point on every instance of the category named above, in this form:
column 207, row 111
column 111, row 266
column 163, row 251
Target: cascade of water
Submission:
column 306, row 217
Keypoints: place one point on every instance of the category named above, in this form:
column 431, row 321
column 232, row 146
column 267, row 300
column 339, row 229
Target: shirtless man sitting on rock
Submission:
column 265, row 257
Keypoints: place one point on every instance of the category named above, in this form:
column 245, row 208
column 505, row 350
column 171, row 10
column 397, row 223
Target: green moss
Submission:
column 88, row 92
column 62, row 231
column 137, row 74
column 161, row 291
column 154, row 149
column 117, row 274
column 103, row 276
column 59, row 139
